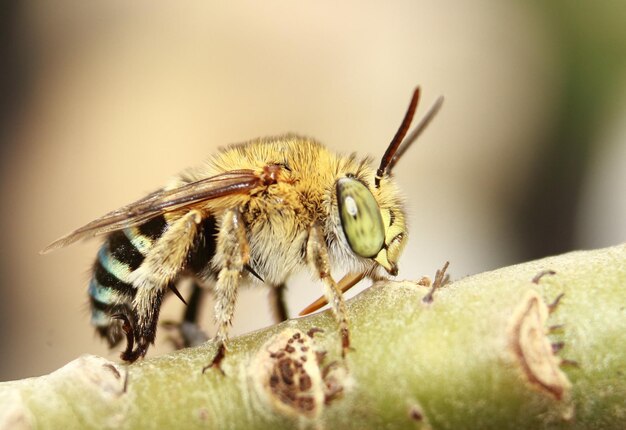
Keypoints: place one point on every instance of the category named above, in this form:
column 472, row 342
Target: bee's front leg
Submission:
column 317, row 258
column 232, row 255
column 162, row 264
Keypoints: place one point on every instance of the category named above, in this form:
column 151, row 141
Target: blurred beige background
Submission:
column 107, row 99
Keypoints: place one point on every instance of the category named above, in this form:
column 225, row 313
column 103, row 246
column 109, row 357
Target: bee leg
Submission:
column 144, row 334
column 187, row 332
column 317, row 258
column 191, row 332
column 127, row 328
column 278, row 303
column 233, row 253
column 160, row 267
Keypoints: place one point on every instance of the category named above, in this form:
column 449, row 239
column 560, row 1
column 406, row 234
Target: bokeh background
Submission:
column 102, row 101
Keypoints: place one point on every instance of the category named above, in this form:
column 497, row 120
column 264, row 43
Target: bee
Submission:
column 267, row 208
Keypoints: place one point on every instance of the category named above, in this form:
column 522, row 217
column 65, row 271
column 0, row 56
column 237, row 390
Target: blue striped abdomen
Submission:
column 110, row 290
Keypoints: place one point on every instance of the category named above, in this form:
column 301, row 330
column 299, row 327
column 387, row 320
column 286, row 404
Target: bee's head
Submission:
column 374, row 227
column 373, row 219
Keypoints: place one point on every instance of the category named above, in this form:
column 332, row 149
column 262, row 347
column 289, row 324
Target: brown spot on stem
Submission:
column 532, row 348
column 286, row 371
column 112, row 369
column 541, row 274
column 305, row 382
column 312, row 332
column 556, row 328
column 306, row 403
column 569, row 363
column 292, row 380
column 555, row 304
column 203, row 414
column 415, row 414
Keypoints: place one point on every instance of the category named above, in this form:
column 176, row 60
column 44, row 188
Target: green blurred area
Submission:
column 591, row 42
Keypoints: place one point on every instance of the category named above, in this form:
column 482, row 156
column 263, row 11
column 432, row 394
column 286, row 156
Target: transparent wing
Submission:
column 162, row 201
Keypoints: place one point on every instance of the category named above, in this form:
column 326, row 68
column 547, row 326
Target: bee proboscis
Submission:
column 266, row 209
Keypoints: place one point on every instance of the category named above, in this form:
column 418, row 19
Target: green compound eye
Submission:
column 360, row 217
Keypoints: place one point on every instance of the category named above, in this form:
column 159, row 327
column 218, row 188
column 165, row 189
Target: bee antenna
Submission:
column 397, row 139
column 434, row 109
column 399, row 145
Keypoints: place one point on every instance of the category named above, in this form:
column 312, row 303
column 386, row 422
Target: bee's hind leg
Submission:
column 144, row 335
column 278, row 302
column 187, row 332
column 191, row 332
column 317, row 258
column 160, row 267
column 232, row 253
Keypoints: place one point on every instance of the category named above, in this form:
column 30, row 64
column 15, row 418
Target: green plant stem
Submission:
column 479, row 356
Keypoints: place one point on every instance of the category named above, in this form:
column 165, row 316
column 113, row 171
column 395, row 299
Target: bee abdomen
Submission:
column 110, row 289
